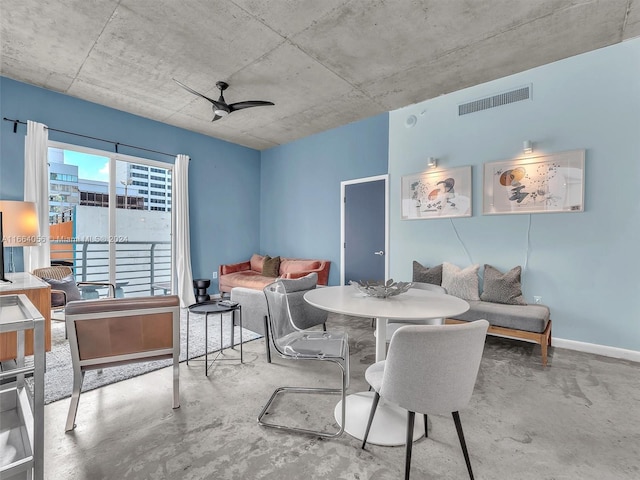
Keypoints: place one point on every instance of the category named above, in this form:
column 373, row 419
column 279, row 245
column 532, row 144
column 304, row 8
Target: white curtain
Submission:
column 182, row 242
column 36, row 189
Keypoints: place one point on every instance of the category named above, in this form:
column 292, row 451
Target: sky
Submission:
column 90, row 167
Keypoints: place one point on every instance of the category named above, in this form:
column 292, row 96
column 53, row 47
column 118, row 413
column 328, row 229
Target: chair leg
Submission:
column 75, row 399
column 407, row 461
column 266, row 338
column 374, row 405
column 426, row 433
column 315, row 390
column 456, row 419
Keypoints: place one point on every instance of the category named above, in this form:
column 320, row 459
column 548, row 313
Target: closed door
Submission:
column 364, row 230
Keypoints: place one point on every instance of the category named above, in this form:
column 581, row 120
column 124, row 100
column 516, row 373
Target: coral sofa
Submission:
column 250, row 274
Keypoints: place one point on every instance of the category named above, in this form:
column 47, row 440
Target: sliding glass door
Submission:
column 111, row 220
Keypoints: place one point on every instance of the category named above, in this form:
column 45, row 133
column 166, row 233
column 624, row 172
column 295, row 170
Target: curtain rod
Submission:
column 15, row 128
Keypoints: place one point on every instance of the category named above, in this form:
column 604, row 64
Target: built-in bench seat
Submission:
column 527, row 322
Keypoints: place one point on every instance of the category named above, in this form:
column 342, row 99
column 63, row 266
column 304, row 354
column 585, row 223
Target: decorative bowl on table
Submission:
column 382, row 289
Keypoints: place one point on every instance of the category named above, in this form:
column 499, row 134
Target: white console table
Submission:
column 39, row 293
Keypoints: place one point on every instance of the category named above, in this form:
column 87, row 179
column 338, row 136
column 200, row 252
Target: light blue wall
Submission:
column 224, row 178
column 584, row 265
column 300, row 185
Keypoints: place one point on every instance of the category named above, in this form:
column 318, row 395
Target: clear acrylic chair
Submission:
column 430, row 369
column 288, row 316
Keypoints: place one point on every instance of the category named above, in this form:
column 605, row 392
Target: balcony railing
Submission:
column 140, row 266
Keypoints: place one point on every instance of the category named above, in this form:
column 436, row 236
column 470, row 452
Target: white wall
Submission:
column 136, row 225
column 133, row 259
column 583, row 265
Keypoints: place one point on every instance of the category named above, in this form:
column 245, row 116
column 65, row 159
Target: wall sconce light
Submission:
column 527, row 146
column 432, row 162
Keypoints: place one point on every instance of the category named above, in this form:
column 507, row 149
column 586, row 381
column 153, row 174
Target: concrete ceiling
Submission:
column 324, row 63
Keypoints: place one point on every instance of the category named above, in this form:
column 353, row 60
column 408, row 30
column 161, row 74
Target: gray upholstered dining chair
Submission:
column 393, row 325
column 430, row 369
column 289, row 317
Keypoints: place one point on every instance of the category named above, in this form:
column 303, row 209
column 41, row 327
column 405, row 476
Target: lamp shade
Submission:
column 19, row 223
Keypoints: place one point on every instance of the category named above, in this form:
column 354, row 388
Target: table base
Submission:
column 389, row 427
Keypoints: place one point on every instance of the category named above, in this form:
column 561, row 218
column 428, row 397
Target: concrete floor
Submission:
column 576, row 419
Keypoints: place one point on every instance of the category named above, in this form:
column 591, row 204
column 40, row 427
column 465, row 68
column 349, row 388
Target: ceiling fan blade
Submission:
column 191, row 90
column 248, row 104
column 216, row 117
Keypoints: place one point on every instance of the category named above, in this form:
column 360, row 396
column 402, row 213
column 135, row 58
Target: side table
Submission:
column 213, row 307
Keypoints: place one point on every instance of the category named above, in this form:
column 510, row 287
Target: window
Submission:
column 62, row 177
column 105, row 224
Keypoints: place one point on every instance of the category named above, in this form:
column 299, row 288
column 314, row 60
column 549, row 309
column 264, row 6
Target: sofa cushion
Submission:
column 247, row 278
column 256, row 262
column 271, row 266
column 530, row 318
column 502, row 287
column 424, row 274
column 290, row 265
column 462, row 283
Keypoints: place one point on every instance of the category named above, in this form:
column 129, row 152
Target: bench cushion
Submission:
column 529, row 318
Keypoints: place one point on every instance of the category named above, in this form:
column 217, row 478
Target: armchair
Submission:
column 64, row 288
column 108, row 332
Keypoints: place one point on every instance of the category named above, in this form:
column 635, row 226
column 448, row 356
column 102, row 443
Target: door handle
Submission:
column 379, row 253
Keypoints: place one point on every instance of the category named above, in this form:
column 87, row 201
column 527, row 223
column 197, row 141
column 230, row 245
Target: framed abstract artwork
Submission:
column 437, row 194
column 537, row 184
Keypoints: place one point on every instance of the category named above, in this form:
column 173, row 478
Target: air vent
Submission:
column 523, row 93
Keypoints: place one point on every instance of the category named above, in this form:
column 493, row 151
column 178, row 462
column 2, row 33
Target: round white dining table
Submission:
column 389, row 424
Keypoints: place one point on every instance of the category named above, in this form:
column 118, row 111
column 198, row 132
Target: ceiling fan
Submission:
column 222, row 108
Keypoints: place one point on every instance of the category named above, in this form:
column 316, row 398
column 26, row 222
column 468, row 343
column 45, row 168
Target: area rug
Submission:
column 58, row 377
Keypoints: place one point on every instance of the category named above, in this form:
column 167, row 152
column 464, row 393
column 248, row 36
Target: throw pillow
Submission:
column 256, row 262
column 462, row 283
column 424, row 274
column 67, row 285
column 271, row 266
column 502, row 287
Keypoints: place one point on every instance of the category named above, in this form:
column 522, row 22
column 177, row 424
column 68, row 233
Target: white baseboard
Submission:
column 604, row 350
